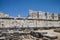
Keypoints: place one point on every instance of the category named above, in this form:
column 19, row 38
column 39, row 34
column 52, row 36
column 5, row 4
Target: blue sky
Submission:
column 21, row 7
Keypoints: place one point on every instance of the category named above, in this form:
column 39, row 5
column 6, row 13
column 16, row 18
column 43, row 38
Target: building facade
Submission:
column 34, row 19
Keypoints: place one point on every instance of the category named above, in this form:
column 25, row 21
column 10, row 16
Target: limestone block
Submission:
column 49, row 16
column 55, row 16
column 42, row 15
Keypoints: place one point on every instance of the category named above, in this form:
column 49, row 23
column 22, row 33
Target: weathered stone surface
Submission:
column 34, row 19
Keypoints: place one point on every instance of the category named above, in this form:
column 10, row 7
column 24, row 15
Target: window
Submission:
column 2, row 25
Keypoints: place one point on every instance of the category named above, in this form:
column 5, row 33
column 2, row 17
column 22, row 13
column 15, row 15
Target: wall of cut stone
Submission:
column 29, row 23
column 34, row 19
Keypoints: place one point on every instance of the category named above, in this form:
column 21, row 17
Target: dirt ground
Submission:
column 51, row 31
